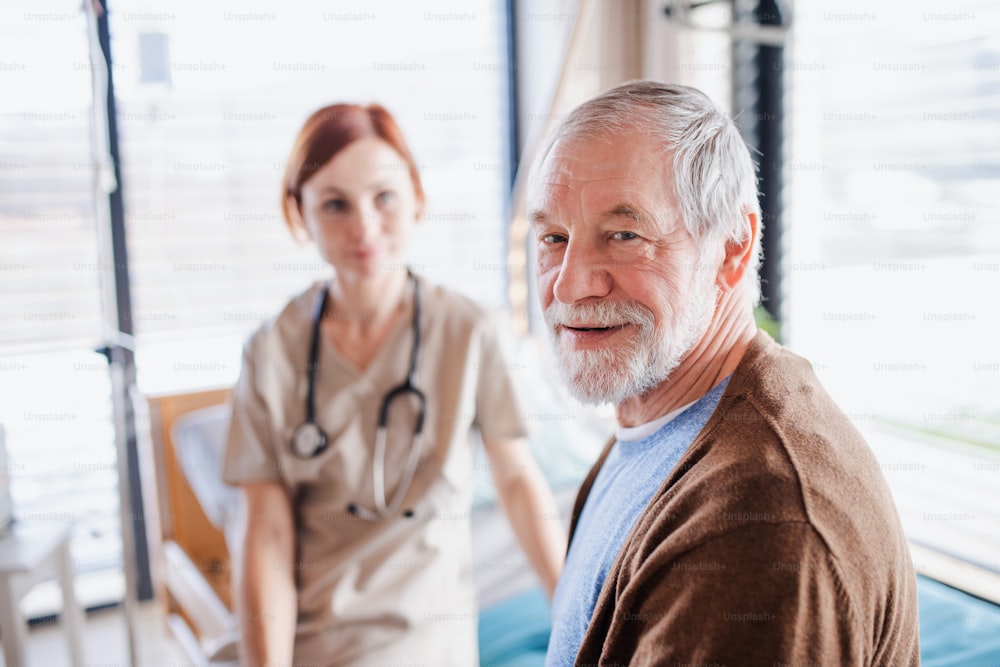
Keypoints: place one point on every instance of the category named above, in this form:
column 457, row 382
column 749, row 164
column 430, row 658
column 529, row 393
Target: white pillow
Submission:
column 199, row 440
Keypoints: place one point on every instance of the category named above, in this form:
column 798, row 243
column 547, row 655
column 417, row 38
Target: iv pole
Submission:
column 119, row 345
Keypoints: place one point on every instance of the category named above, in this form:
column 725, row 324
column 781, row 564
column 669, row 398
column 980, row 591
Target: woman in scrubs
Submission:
column 356, row 548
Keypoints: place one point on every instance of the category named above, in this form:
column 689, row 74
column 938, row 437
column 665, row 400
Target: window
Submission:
column 209, row 96
column 55, row 391
column 893, row 248
column 210, row 99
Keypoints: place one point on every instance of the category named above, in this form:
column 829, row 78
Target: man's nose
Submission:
column 582, row 275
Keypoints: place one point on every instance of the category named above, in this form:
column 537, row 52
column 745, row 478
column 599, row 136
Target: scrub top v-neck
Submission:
column 400, row 333
column 397, row 589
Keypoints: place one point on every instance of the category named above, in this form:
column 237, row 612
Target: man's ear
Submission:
column 299, row 229
column 739, row 255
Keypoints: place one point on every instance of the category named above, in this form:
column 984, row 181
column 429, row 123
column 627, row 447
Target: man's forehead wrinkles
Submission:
column 590, row 166
column 581, row 173
column 569, row 178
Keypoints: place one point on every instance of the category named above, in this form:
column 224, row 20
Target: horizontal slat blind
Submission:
column 894, row 247
column 54, row 392
column 203, row 156
column 48, row 285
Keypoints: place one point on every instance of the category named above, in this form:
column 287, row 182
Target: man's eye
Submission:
column 553, row 238
column 335, row 205
column 385, row 197
column 624, row 236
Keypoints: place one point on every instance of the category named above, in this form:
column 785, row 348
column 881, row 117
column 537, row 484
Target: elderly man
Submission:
column 737, row 517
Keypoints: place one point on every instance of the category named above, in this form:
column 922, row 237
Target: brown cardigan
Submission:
column 774, row 542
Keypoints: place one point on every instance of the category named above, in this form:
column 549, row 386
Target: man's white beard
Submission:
column 637, row 365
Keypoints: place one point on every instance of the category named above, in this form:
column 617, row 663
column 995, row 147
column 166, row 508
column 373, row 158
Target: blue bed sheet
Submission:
column 956, row 629
column 515, row 632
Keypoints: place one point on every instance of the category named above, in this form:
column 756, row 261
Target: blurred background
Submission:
column 141, row 238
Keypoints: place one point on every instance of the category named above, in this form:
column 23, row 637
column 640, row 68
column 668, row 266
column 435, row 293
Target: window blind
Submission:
column 894, row 244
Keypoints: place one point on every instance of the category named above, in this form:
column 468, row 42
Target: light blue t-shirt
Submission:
column 632, row 473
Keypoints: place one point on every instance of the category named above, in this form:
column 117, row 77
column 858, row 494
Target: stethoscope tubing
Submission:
column 383, row 508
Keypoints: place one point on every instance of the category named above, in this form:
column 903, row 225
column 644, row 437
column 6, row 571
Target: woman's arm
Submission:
column 265, row 578
column 530, row 506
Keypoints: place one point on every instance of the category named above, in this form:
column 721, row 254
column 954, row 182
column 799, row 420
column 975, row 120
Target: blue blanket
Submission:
column 955, row 629
column 515, row 632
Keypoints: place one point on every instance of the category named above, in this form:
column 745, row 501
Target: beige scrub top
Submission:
column 396, row 591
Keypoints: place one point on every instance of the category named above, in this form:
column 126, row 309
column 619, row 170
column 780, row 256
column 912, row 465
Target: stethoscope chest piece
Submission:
column 309, row 440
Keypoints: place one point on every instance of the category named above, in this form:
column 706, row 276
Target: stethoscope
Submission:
column 309, row 440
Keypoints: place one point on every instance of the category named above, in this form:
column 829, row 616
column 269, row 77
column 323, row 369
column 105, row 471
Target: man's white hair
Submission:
column 715, row 179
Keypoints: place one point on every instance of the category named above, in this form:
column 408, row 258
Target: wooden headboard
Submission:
column 182, row 520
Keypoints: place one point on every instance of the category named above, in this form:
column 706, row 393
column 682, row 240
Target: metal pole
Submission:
column 513, row 132
column 770, row 119
column 117, row 312
column 758, row 105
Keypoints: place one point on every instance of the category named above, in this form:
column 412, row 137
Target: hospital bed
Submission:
column 196, row 511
